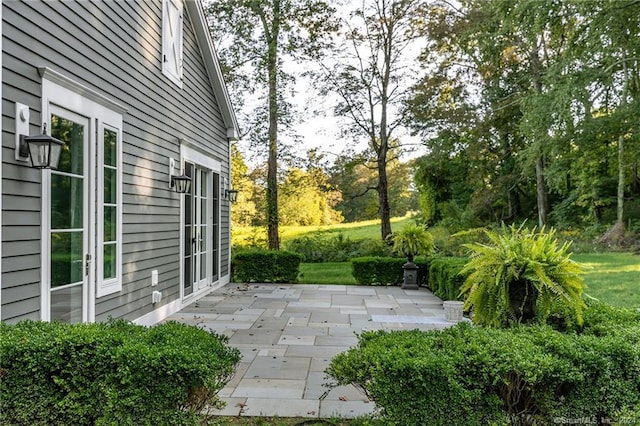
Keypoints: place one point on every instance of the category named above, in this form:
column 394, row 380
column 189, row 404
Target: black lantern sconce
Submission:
column 227, row 193
column 181, row 183
column 231, row 195
column 43, row 150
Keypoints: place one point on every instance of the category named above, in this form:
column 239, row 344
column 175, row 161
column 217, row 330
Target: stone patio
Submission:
column 287, row 335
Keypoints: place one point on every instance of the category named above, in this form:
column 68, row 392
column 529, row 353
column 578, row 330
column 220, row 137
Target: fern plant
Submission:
column 522, row 275
column 411, row 241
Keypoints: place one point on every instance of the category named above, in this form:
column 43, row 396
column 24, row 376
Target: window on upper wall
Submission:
column 172, row 40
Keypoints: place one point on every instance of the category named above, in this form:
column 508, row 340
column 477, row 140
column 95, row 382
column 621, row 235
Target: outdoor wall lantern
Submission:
column 227, row 192
column 182, row 183
column 43, row 150
column 231, row 195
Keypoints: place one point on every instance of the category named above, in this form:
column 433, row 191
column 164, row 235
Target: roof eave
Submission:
column 199, row 22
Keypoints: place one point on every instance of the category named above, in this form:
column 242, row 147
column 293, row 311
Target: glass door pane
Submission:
column 197, row 227
column 189, row 235
column 215, row 227
column 201, row 223
column 68, row 211
column 110, row 204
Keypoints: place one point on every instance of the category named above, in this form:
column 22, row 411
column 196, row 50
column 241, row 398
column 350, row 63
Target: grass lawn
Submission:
column 326, row 273
column 354, row 231
column 613, row 278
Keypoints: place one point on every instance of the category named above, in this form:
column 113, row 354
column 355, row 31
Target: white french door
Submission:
column 81, row 201
column 82, row 241
column 200, row 228
column 69, row 235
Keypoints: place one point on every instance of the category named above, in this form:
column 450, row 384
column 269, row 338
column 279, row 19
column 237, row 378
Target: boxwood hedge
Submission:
column 523, row 375
column 444, row 277
column 110, row 373
column 258, row 265
column 375, row 270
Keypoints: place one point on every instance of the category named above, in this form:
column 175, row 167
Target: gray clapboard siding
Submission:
column 21, row 233
column 155, row 244
column 22, row 309
column 15, row 294
column 19, row 263
column 127, row 69
column 11, row 249
column 20, row 279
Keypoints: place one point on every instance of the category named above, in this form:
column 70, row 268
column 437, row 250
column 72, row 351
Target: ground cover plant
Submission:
column 612, row 277
column 326, row 273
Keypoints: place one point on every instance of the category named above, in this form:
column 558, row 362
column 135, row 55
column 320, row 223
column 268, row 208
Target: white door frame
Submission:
column 202, row 161
column 62, row 93
column 88, row 211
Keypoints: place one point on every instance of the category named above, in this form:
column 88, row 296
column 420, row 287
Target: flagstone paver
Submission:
column 288, row 333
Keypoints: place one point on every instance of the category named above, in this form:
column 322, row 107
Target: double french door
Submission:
column 200, row 229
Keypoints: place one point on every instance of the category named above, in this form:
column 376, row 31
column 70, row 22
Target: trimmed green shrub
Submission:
column 385, row 270
column 377, row 270
column 110, row 373
column 273, row 266
column 522, row 375
column 444, row 277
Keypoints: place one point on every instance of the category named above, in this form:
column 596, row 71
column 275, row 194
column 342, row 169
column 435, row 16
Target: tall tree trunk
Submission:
column 384, row 210
column 541, row 190
column 272, row 161
column 620, row 212
column 620, row 195
column 635, row 182
column 383, row 184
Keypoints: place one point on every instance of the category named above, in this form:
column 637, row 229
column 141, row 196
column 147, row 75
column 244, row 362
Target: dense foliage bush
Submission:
column 110, row 373
column 444, row 277
column 522, row 275
column 522, row 375
column 318, row 248
column 385, row 270
column 273, row 266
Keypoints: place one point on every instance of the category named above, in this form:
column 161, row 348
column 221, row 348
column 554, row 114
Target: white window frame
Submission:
column 172, row 40
column 60, row 91
column 112, row 285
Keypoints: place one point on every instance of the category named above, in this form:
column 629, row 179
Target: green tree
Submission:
column 369, row 73
column 243, row 212
column 305, row 199
column 260, row 35
column 466, row 108
column 356, row 179
column 535, row 94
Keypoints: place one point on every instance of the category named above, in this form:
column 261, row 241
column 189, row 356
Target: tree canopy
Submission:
column 526, row 110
